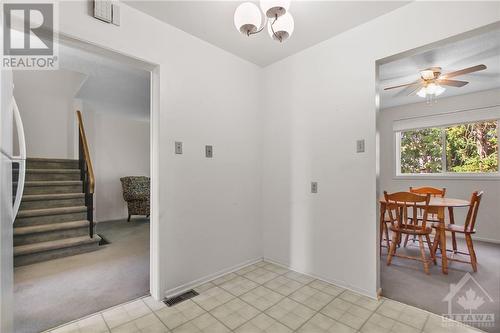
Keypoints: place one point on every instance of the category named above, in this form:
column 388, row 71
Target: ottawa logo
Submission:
column 464, row 303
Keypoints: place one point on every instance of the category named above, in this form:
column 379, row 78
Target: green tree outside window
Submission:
column 469, row 148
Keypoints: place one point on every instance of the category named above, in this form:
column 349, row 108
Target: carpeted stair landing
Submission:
column 52, row 219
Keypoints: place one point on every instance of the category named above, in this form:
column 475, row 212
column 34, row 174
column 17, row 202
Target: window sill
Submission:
column 449, row 176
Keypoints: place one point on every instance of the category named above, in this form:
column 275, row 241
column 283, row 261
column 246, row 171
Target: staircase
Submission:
column 52, row 221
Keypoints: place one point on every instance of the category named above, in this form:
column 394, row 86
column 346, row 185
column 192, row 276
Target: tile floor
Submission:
column 264, row 297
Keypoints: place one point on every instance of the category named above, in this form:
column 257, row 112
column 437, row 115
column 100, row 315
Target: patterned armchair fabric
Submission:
column 136, row 194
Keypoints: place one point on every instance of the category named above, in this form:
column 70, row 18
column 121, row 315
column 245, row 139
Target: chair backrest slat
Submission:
column 407, row 200
column 434, row 192
column 470, row 220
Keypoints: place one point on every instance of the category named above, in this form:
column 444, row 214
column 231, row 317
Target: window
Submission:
column 463, row 148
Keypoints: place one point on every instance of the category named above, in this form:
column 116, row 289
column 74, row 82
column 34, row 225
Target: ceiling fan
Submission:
column 432, row 80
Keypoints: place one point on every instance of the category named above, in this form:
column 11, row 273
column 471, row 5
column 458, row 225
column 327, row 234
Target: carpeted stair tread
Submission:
column 77, row 171
column 54, row 245
column 51, row 183
column 52, row 220
column 53, row 196
column 20, row 231
column 50, row 211
column 51, row 163
column 43, row 159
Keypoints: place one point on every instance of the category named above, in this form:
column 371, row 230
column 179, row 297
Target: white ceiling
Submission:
column 315, row 21
column 481, row 49
column 110, row 86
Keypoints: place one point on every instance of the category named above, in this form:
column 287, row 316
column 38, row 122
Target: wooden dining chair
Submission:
column 385, row 220
column 408, row 205
column 432, row 214
column 468, row 229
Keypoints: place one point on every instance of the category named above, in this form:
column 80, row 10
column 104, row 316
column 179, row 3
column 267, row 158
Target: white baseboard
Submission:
column 338, row 283
column 210, row 277
column 474, row 237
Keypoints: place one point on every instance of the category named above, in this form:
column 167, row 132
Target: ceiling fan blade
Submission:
column 453, row 83
column 403, row 85
column 411, row 90
column 465, row 71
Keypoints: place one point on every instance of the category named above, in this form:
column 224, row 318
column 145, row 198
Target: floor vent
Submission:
column 103, row 241
column 180, row 298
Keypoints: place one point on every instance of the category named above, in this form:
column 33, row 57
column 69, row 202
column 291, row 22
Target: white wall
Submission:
column 45, row 100
column 487, row 222
column 119, row 147
column 319, row 102
column 208, row 208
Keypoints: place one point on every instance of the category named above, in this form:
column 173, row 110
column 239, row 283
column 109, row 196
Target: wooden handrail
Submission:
column 86, row 153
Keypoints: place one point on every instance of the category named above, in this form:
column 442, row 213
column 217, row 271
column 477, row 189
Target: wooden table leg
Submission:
column 442, row 239
column 452, row 221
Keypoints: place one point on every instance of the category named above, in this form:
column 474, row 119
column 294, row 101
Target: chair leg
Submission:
column 406, row 240
column 128, row 220
column 433, row 255
column 392, row 250
column 472, row 253
column 422, row 254
column 436, row 244
column 387, row 236
column 381, row 238
column 454, row 242
column 453, row 238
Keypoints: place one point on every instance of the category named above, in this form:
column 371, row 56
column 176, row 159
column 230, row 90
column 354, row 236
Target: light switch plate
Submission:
column 103, row 10
column 314, row 187
column 360, row 146
column 116, row 14
column 178, row 147
column 209, row 151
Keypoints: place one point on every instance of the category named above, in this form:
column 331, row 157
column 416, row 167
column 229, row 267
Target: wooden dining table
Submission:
column 440, row 205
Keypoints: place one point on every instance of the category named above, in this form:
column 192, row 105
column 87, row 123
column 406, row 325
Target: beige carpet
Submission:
column 406, row 282
column 54, row 292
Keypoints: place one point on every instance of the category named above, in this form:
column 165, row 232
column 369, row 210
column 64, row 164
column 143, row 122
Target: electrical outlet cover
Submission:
column 360, row 146
column 178, row 147
column 209, row 151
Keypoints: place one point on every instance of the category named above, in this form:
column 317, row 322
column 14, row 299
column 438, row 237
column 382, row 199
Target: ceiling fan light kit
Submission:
column 250, row 20
column 431, row 82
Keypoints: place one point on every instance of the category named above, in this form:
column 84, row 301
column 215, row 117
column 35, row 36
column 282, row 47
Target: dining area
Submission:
column 423, row 218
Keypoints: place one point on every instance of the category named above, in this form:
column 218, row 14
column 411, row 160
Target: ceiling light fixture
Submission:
column 431, row 90
column 249, row 20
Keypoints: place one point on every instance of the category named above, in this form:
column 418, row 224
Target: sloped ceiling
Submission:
column 315, row 21
column 110, row 86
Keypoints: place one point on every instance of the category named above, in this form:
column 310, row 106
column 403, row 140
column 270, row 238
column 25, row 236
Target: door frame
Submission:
column 378, row 63
column 155, row 278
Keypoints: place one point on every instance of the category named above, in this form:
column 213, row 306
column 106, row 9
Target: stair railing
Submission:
column 86, row 172
column 20, row 159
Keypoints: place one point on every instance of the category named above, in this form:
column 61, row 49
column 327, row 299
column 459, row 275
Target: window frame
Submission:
column 445, row 174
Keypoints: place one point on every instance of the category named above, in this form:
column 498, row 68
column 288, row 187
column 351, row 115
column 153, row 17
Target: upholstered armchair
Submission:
column 136, row 194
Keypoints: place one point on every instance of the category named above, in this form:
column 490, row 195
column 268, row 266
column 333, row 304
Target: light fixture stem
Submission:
column 256, row 32
column 272, row 29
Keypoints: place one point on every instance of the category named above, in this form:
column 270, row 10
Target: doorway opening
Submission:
column 438, row 119
column 88, row 131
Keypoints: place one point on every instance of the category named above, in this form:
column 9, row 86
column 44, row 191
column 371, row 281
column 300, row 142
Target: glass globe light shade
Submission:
column 283, row 28
column 422, row 92
column 439, row 90
column 247, row 18
column 274, row 8
column 431, row 88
